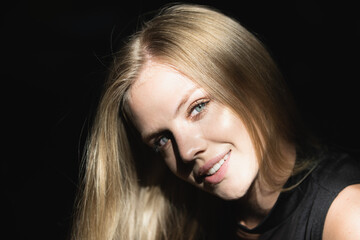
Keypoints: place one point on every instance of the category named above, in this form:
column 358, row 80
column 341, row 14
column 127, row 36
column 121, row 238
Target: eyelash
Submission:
column 199, row 103
column 157, row 146
column 203, row 103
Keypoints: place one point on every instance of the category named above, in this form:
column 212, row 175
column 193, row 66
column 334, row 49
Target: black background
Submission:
column 54, row 59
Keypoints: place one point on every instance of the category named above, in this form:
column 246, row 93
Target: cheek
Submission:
column 176, row 166
column 170, row 162
column 221, row 124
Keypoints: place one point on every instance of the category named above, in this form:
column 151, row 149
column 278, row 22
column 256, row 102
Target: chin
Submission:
column 229, row 193
column 229, row 196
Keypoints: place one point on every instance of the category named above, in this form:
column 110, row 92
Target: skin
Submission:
column 343, row 219
column 165, row 103
column 190, row 129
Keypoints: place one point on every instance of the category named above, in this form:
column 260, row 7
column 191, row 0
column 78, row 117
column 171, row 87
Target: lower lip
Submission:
column 220, row 174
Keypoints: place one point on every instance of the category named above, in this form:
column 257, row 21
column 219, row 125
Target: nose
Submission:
column 190, row 142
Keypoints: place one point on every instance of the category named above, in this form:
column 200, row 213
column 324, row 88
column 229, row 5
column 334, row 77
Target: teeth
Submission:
column 217, row 166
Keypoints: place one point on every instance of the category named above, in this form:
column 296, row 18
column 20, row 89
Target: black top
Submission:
column 300, row 214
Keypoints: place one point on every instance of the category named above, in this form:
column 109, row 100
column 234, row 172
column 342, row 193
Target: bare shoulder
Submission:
column 342, row 221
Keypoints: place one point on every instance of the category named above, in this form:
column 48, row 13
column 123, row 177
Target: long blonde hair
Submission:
column 127, row 191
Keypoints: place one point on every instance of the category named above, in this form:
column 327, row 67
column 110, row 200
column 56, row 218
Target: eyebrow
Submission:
column 182, row 102
column 150, row 136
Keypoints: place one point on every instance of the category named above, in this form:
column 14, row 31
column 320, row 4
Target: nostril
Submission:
column 188, row 142
column 192, row 154
column 190, row 150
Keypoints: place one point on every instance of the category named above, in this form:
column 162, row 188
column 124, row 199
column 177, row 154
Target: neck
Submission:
column 256, row 205
column 261, row 197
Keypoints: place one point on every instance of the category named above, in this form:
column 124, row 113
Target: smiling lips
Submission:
column 212, row 167
column 217, row 166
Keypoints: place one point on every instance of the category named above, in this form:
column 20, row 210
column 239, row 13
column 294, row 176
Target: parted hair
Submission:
column 127, row 191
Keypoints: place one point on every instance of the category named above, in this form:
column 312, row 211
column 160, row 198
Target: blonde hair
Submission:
column 128, row 192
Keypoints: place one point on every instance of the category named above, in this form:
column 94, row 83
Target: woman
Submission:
column 193, row 97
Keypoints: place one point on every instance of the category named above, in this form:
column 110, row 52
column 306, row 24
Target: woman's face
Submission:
column 202, row 141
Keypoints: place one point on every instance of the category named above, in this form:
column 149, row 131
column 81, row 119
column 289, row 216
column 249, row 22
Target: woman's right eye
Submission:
column 161, row 142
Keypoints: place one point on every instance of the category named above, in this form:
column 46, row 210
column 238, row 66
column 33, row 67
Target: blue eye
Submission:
column 198, row 108
column 160, row 143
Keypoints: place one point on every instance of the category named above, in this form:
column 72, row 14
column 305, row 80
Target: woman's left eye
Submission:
column 198, row 108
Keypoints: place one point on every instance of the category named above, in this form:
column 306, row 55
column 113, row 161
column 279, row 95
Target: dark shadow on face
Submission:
column 183, row 169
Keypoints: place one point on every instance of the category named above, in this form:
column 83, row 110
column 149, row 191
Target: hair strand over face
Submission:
column 222, row 57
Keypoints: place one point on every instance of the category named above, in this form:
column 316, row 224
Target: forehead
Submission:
column 159, row 75
column 156, row 93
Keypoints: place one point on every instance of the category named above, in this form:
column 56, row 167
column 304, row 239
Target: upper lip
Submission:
column 209, row 164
